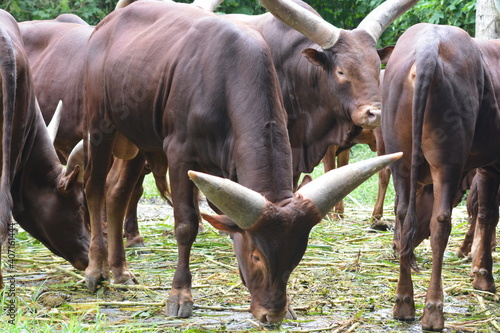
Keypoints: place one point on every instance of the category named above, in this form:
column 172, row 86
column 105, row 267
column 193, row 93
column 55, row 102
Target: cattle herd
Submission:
column 240, row 107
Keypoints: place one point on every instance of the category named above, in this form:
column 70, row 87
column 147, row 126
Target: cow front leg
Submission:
column 99, row 164
column 187, row 217
column 121, row 181
column 487, row 219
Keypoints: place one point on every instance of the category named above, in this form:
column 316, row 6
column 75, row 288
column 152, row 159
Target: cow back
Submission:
column 190, row 91
column 55, row 51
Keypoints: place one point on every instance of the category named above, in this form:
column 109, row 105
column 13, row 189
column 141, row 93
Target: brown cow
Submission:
column 55, row 50
column 35, row 189
column 440, row 95
column 201, row 95
column 330, row 85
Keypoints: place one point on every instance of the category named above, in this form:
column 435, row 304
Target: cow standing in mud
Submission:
column 193, row 91
column 441, row 92
column 43, row 197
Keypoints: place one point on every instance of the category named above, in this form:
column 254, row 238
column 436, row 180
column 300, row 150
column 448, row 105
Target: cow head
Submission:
column 349, row 59
column 271, row 238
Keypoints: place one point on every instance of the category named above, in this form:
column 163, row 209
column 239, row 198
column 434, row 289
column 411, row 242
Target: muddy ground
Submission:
column 345, row 283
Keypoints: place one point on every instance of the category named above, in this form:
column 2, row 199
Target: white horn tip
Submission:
column 193, row 175
column 395, row 156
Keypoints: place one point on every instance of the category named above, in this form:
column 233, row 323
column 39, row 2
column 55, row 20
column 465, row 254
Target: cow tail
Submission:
column 426, row 63
column 163, row 188
column 8, row 78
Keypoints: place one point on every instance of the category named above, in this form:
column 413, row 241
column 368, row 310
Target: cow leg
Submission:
column 329, row 163
column 118, row 193
column 98, row 166
column 131, row 229
column 384, row 177
column 342, row 160
column 487, row 219
column 187, row 217
column 465, row 249
column 440, row 228
column 404, row 307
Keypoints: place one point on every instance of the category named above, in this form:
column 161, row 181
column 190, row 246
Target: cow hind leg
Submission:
column 487, row 219
column 440, row 228
column 132, row 235
column 404, row 307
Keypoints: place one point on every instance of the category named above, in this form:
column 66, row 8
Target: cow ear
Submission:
column 315, row 57
column 68, row 181
column 385, row 54
column 222, row 223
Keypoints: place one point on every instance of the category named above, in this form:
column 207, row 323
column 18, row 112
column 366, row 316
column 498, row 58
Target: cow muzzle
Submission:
column 267, row 316
column 368, row 117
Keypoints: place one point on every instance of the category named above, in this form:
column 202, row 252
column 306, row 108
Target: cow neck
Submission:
column 313, row 125
column 261, row 150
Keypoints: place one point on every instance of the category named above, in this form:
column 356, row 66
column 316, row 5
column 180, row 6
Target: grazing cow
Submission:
column 43, row 197
column 193, row 91
column 440, row 95
column 55, row 50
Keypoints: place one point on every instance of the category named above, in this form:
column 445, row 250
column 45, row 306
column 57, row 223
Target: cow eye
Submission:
column 256, row 258
column 340, row 73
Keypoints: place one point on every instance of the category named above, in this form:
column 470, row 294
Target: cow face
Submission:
column 268, row 252
column 350, row 77
column 58, row 222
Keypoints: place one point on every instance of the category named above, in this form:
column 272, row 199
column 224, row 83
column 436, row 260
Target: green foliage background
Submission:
column 344, row 14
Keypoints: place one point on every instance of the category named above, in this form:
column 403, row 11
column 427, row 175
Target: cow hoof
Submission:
column 174, row 309
column 404, row 309
column 433, row 318
column 290, row 314
column 484, row 281
column 135, row 242
column 381, row 225
column 92, row 282
column 463, row 254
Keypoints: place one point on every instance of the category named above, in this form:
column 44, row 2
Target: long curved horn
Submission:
column 328, row 189
column 76, row 157
column 312, row 26
column 381, row 17
column 54, row 122
column 209, row 5
column 242, row 205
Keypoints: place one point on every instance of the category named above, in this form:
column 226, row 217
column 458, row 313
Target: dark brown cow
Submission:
column 330, row 85
column 35, row 189
column 55, row 50
column 440, row 94
column 194, row 91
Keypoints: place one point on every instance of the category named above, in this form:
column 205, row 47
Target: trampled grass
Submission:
column 345, row 282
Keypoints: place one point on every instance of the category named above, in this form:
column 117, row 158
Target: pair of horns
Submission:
column 325, row 34
column 245, row 207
